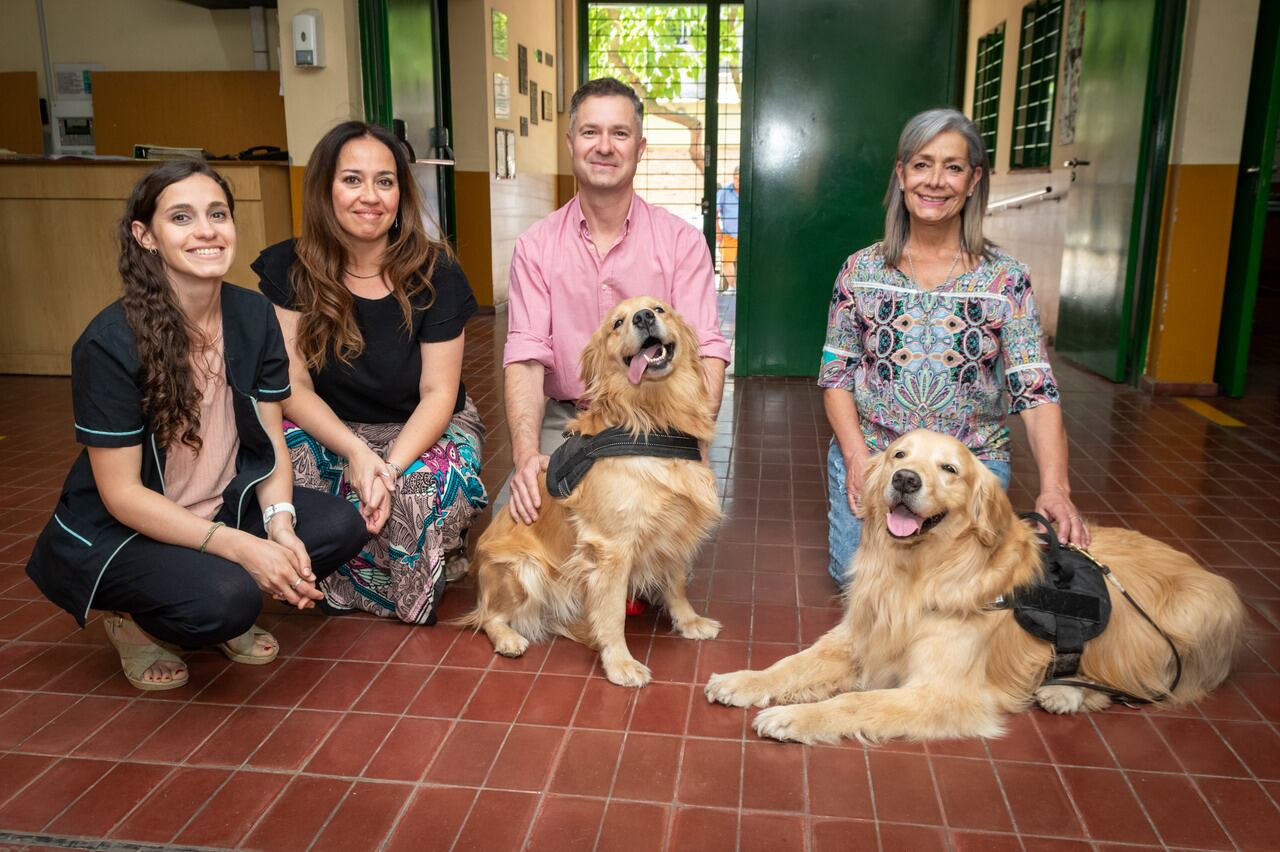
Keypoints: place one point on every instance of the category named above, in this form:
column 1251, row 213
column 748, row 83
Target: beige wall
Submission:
column 315, row 99
column 512, row 206
column 130, row 35
column 1214, row 83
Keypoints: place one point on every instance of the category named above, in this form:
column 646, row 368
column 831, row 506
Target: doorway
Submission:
column 685, row 63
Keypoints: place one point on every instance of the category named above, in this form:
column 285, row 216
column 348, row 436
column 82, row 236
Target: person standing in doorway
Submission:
column 727, row 232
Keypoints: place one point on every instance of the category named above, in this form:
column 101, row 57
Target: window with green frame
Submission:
column 986, row 87
column 1037, row 82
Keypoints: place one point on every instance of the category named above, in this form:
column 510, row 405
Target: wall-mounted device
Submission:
column 308, row 39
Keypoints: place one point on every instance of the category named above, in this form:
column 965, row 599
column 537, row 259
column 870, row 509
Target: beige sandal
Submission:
column 136, row 659
column 240, row 651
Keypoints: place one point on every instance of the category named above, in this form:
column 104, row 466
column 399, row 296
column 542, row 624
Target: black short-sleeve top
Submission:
column 381, row 384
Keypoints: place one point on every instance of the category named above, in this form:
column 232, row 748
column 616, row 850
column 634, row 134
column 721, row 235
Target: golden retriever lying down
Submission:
column 919, row 653
column 634, row 523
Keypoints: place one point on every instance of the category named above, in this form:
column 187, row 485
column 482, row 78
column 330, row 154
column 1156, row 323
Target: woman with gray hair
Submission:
column 934, row 327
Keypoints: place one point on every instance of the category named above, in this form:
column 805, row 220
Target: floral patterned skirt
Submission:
column 400, row 571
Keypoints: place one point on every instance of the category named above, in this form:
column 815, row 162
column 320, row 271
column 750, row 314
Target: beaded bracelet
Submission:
column 213, row 528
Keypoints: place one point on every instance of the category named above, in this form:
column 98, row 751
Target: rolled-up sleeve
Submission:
column 105, row 395
column 693, row 287
column 1028, row 376
column 842, row 350
column 529, row 311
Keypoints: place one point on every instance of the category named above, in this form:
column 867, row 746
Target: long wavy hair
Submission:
column 328, row 324
column 920, row 131
column 163, row 334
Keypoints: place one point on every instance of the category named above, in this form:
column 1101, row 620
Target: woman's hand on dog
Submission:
column 1056, row 505
column 526, row 497
column 855, row 472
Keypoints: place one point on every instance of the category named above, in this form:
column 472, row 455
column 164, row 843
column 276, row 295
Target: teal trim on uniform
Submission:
column 254, row 484
column 275, row 390
column 72, row 532
column 137, row 431
column 105, row 566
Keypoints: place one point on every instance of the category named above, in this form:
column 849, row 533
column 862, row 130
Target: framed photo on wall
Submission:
column 548, row 111
column 522, row 68
column 501, row 96
column 524, row 126
column 504, row 154
column 533, row 102
column 498, row 34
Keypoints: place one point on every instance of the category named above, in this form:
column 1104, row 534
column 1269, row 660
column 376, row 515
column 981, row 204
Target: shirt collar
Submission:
column 585, row 229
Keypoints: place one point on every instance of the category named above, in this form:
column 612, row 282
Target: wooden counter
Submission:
column 58, row 223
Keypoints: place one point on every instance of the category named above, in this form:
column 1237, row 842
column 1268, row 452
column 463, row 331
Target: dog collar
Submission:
column 574, row 458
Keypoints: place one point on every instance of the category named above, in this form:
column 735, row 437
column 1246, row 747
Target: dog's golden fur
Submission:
column 919, row 653
column 634, row 523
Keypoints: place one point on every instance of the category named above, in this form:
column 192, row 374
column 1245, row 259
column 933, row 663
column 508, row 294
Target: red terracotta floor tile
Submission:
column 172, row 803
column 298, row 814
column 634, row 827
column 408, row 750
column 662, row 708
column 73, row 725
column 1038, row 801
column 350, row 746
column 1198, row 746
column 715, row 720
column 238, row 737
column 432, row 820
column 468, row 753
column 425, row 647
column 673, row 659
column 1257, row 745
column 498, row 820
column 364, row 818
column 971, row 794
column 773, row 777
column 767, row 832
column 552, row 700
column 294, row 740
column 710, row 773
column 1021, row 741
column 446, row 693
column 18, row 770
column 526, row 758
column 587, row 763
column 1251, row 818
column 844, row 835
column 115, row 795
column 29, row 716
column 1135, row 743
column 648, row 768
column 1072, row 740
column 911, row 838
column 47, row 796
column 902, row 787
column 705, row 830
column 1109, row 810
column 499, row 697
column 566, row 824
column 392, row 690
column 972, row 841
column 185, row 731
column 605, row 705
column 229, row 815
column 137, row 721
column 567, row 657
column 1181, row 817
column 341, row 686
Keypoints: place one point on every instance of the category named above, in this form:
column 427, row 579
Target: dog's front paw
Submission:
column 801, row 723
column 699, row 627
column 738, row 689
column 1070, row 699
column 627, row 672
column 511, row 645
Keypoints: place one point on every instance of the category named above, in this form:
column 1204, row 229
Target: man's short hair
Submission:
column 603, row 87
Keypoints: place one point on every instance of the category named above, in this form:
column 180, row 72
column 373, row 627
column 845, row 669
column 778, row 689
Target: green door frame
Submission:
column 375, row 72
column 711, row 118
column 1249, row 222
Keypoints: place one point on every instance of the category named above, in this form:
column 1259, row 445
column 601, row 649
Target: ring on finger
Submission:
column 296, row 583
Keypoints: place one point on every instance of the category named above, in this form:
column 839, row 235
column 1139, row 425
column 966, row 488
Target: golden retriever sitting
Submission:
column 633, row 524
column 920, row 652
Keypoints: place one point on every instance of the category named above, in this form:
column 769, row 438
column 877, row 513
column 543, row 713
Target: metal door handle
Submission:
column 705, row 204
column 1073, row 162
column 1253, row 170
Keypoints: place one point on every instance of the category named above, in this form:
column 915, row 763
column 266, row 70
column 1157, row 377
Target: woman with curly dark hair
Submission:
column 373, row 310
column 176, row 389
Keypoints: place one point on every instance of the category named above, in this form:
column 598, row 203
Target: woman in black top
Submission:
column 182, row 506
column 373, row 310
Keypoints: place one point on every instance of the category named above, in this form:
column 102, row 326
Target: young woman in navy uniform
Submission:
column 181, row 510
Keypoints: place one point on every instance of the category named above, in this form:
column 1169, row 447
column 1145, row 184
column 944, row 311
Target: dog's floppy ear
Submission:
column 594, row 359
column 989, row 506
column 873, row 475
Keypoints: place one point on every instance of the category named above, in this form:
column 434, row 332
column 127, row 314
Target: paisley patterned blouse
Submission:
column 940, row 359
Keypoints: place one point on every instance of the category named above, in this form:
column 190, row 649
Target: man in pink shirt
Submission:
column 573, row 267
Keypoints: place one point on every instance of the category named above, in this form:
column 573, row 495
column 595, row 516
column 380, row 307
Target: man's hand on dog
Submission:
column 526, row 497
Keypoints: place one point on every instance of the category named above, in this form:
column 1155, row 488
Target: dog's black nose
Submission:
column 906, row 481
column 643, row 318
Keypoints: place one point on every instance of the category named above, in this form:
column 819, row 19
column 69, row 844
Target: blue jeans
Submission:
column 844, row 530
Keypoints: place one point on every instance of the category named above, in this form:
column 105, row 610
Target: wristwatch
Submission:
column 275, row 509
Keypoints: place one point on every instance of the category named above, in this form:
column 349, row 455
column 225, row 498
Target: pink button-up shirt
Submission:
column 561, row 289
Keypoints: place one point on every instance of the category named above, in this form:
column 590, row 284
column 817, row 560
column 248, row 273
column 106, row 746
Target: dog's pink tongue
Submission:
column 640, row 362
column 903, row 521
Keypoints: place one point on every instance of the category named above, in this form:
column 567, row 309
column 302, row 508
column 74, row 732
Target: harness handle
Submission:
column 1063, row 573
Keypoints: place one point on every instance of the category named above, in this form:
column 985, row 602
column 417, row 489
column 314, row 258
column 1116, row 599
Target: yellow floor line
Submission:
column 1204, row 409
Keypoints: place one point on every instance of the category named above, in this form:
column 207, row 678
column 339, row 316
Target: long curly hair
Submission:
column 164, row 336
column 328, row 324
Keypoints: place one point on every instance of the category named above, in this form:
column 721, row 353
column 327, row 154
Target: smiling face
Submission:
column 366, row 190
column 937, row 179
column 605, row 143
column 926, row 484
column 192, row 230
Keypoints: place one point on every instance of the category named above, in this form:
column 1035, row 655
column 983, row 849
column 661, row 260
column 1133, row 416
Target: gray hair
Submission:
column 606, row 87
column 920, row 131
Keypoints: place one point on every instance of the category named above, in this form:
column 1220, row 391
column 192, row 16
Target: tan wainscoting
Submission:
column 20, row 113
column 475, row 232
column 224, row 112
column 58, row 268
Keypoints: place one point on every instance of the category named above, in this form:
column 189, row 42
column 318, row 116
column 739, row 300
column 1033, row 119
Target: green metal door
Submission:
column 831, row 84
column 1098, row 317
column 1248, row 227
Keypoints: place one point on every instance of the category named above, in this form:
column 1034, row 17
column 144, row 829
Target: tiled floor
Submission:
column 371, row 735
